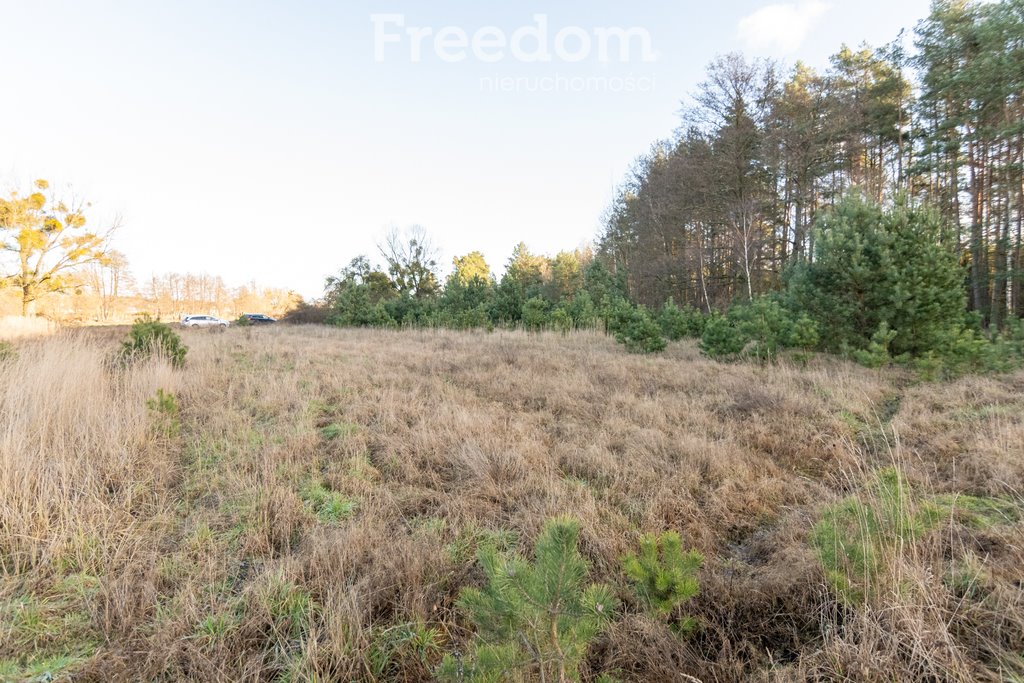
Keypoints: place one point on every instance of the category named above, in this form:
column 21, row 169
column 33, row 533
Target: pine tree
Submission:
column 523, row 280
column 873, row 266
column 680, row 323
column 533, row 621
column 721, row 338
column 664, row 576
column 149, row 336
column 535, row 314
column 639, row 332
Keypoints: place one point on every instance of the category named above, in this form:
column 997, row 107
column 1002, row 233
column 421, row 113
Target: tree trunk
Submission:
column 28, row 301
column 1017, row 288
column 978, row 300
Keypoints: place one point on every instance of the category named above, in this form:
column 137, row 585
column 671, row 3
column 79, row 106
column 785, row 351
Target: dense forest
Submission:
column 726, row 208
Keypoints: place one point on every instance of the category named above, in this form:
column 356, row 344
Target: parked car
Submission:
column 203, row 321
column 256, row 319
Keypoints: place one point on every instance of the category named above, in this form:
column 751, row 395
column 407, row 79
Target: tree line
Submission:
column 873, row 210
column 573, row 289
column 726, row 208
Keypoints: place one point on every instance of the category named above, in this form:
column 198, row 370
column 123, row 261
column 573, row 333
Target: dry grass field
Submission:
column 305, row 504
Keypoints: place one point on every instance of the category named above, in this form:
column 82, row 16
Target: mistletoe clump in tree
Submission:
column 533, row 621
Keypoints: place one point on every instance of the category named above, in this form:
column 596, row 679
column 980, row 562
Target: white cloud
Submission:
column 780, row 28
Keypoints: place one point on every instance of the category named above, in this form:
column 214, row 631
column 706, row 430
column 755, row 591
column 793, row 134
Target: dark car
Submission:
column 256, row 319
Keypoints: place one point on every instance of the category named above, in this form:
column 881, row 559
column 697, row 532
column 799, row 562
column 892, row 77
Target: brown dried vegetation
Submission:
column 316, row 510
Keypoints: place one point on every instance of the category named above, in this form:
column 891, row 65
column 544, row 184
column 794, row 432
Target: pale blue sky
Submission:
column 263, row 141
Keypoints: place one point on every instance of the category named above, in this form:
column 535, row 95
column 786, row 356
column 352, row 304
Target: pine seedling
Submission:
column 664, row 576
column 533, row 620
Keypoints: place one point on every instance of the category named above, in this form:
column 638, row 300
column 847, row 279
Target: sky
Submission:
column 273, row 142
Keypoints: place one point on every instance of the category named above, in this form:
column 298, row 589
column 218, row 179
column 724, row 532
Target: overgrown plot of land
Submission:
column 304, row 503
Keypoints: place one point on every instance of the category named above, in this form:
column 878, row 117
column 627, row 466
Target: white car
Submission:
column 203, row 321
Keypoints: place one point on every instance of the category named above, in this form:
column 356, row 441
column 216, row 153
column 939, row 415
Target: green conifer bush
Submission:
column 664, row 576
column 534, row 621
column 149, row 336
column 680, row 323
column 639, row 332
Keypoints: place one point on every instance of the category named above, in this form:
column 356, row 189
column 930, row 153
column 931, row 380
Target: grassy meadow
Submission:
column 307, row 503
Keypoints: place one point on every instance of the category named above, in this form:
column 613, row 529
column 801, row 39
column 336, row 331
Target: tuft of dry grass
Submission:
column 312, row 507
